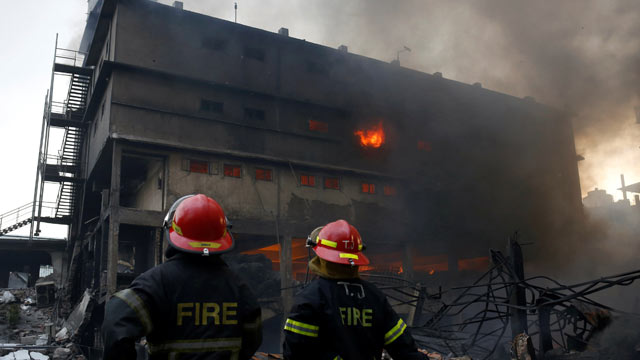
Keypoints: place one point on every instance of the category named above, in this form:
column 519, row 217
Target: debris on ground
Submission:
column 18, row 280
column 522, row 348
column 78, row 319
column 27, row 329
column 437, row 356
column 7, row 297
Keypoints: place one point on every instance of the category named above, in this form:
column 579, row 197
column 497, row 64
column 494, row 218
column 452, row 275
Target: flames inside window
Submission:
column 263, row 174
column 232, row 170
column 372, row 137
column 368, row 188
column 307, row 180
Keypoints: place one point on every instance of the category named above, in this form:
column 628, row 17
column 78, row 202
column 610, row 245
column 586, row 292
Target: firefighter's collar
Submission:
column 330, row 270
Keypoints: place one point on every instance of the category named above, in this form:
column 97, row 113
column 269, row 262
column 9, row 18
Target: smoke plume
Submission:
column 581, row 56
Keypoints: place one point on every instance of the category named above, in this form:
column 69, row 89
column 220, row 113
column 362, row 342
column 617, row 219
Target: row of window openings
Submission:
column 253, row 114
column 221, row 44
column 217, row 107
column 230, row 170
column 259, row 54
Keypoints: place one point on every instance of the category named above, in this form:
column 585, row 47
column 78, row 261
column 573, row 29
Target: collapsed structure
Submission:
column 288, row 135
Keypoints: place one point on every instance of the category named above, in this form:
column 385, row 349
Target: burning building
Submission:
column 288, row 135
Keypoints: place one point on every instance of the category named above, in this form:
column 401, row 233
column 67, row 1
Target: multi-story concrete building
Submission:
column 272, row 127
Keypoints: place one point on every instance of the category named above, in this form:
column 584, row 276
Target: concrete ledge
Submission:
column 140, row 217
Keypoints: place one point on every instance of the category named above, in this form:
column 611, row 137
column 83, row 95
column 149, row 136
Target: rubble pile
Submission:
column 28, row 331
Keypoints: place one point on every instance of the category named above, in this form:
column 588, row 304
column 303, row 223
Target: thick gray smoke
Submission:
column 579, row 55
column 582, row 56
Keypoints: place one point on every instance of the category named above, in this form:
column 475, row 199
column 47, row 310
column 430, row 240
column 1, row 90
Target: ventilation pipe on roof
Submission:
column 343, row 48
column 283, row 31
column 437, row 74
column 477, row 84
column 178, row 5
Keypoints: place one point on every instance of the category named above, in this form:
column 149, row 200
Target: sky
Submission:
column 582, row 56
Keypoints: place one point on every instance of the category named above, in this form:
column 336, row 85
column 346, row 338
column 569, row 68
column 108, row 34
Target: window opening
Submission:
column 307, row 180
column 332, row 183
column 263, row 174
column 211, row 106
column 319, row 126
column 253, row 114
column 424, row 145
column 232, row 170
column 254, row 53
column 389, row 190
column 214, row 43
column 368, row 188
column 198, row 166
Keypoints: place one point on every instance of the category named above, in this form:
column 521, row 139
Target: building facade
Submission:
column 288, row 135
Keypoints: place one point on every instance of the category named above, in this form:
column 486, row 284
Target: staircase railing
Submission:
column 67, row 163
column 21, row 216
column 69, row 57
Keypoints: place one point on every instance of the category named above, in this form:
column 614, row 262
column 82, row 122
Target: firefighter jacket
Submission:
column 190, row 307
column 345, row 319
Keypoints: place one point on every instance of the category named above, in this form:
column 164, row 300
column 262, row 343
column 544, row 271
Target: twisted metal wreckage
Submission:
column 475, row 322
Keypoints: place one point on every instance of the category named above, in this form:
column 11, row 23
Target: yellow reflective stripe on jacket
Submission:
column 130, row 297
column 395, row 332
column 329, row 243
column 198, row 345
column 302, row 328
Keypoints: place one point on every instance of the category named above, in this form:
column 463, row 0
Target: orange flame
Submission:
column 432, row 271
column 373, row 137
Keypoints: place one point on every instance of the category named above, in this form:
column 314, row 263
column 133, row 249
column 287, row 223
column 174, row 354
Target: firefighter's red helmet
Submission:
column 340, row 242
column 196, row 224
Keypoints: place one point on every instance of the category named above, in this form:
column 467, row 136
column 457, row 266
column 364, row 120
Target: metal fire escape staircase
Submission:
column 64, row 168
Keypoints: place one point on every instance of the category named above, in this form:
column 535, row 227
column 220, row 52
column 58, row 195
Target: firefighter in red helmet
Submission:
column 192, row 306
column 338, row 315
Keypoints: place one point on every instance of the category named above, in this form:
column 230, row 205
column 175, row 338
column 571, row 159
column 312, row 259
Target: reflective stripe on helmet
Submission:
column 176, row 228
column 329, row 243
column 198, row 345
column 348, row 256
column 204, row 244
column 302, row 328
column 395, row 332
column 135, row 302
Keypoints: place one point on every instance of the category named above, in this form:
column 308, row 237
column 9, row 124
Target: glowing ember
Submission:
column 432, row 271
column 373, row 137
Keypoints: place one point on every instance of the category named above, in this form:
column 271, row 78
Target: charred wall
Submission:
column 468, row 166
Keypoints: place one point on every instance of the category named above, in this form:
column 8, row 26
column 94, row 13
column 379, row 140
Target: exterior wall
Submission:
column 471, row 166
column 248, row 198
column 495, row 162
column 99, row 131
